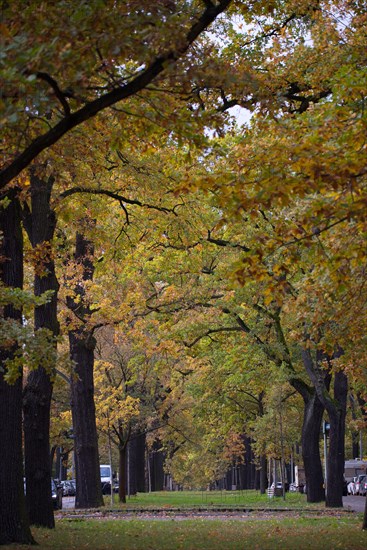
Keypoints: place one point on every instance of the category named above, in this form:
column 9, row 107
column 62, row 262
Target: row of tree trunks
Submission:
column 14, row 523
column 40, row 223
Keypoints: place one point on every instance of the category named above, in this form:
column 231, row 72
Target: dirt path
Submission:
column 215, row 514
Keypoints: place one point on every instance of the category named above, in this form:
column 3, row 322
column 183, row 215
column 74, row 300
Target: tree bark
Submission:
column 336, row 410
column 132, row 466
column 140, row 461
column 82, row 345
column 87, row 474
column 122, row 472
column 364, row 524
column 354, row 434
column 40, row 223
column 157, row 458
column 14, row 522
column 263, row 474
column 312, row 419
column 313, row 411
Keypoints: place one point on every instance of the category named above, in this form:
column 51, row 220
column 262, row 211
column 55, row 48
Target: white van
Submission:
column 106, row 476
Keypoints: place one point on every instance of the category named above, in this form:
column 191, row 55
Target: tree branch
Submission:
column 89, row 110
column 222, row 242
column 58, row 93
column 209, row 332
column 113, row 195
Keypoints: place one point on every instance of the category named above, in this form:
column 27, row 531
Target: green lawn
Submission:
column 190, row 499
column 298, row 533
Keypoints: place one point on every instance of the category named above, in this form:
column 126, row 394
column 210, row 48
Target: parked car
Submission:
column 359, row 482
column 56, row 492
column 106, row 487
column 351, row 487
column 345, row 488
column 69, row 487
column 354, row 486
column 363, row 487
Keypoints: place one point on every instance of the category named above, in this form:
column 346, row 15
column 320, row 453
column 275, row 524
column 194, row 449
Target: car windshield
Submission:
column 105, row 472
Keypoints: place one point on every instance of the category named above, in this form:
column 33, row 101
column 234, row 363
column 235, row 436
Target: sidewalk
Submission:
column 355, row 503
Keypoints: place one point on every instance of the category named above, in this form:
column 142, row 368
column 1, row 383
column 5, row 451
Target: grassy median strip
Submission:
column 191, row 499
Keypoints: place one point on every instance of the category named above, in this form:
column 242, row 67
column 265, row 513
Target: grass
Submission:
column 199, row 499
column 300, row 528
column 301, row 533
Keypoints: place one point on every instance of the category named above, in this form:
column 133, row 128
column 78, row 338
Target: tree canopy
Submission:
column 221, row 281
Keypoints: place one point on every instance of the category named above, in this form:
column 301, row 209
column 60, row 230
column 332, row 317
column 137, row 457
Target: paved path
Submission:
column 68, row 503
column 355, row 503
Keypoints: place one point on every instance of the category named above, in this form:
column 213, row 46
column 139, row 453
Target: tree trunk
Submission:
column 61, row 461
column 355, row 434
column 82, row 345
column 335, row 461
column 37, row 403
column 40, row 223
column 14, row 523
column 364, row 524
column 122, row 473
column 53, row 457
column 313, row 410
column 87, row 474
column 132, row 466
column 312, row 419
column 263, row 474
column 336, row 408
column 140, row 462
column 157, row 458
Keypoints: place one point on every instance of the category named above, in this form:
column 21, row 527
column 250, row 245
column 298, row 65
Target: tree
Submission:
column 295, row 180
column 82, row 345
column 40, row 222
column 28, row 111
column 14, row 523
column 117, row 412
column 284, row 170
column 255, row 311
column 130, row 387
column 335, row 406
